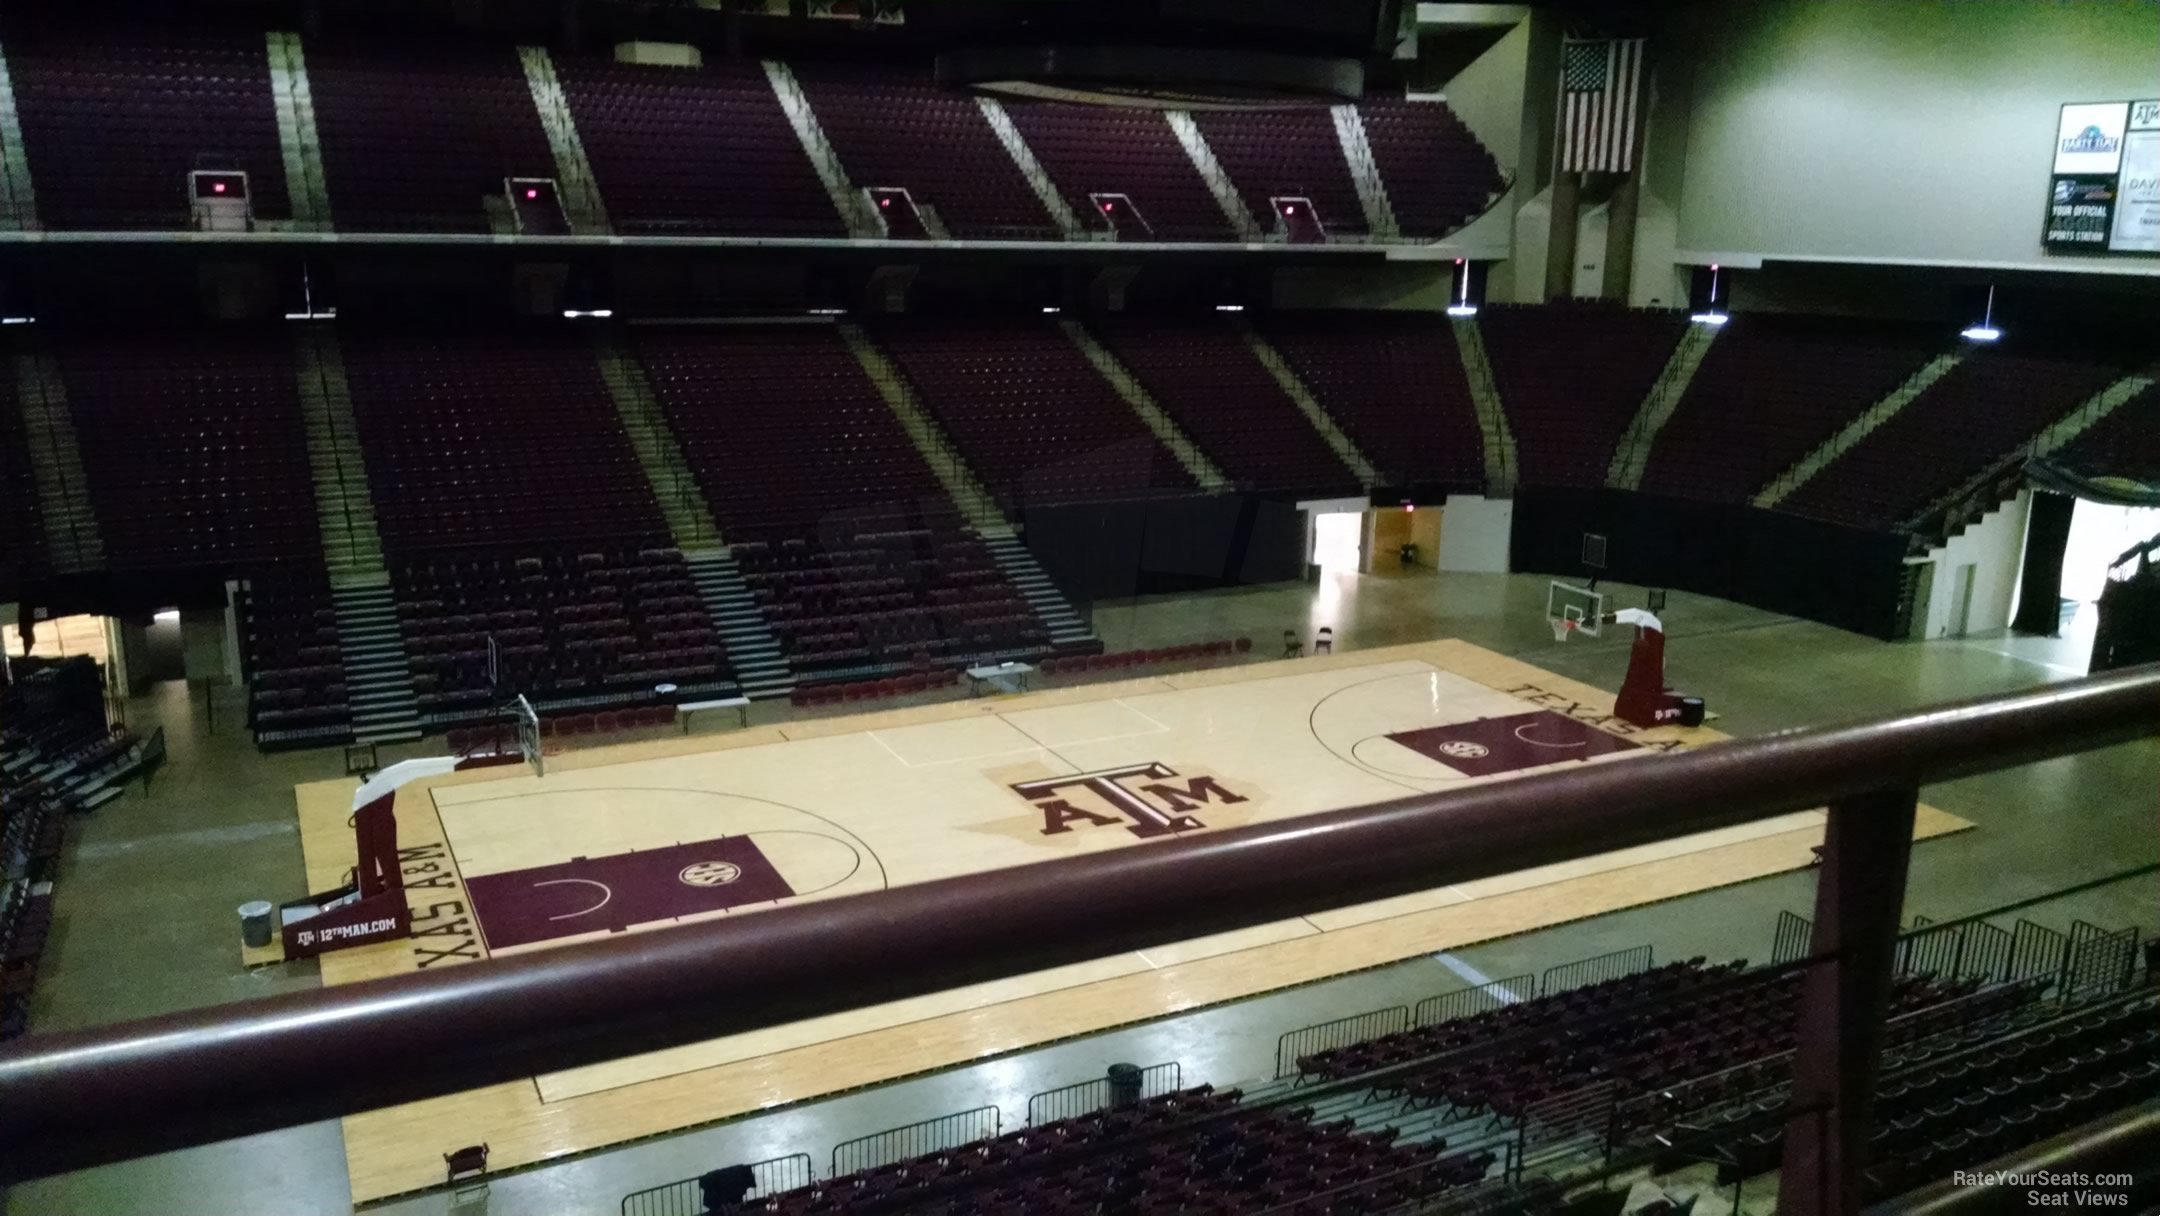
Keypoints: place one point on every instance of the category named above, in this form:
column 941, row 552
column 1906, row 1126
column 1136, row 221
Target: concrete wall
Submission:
column 1916, row 130
column 1494, row 98
column 1474, row 533
column 1410, row 285
column 1995, row 549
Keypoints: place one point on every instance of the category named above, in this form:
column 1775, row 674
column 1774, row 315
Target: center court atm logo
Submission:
column 1150, row 800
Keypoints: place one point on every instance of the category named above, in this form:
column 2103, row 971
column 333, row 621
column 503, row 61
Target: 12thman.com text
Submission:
column 2048, row 1189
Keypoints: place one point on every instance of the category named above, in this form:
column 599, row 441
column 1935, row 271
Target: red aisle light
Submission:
column 217, row 187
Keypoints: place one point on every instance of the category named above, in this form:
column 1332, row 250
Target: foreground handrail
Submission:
column 79, row 1098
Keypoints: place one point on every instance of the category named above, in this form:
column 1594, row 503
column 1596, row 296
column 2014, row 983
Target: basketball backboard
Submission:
column 1579, row 606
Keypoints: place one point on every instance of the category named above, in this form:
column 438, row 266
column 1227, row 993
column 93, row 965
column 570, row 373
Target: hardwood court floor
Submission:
column 500, row 861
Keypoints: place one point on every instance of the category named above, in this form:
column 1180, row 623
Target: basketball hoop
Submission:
column 1561, row 627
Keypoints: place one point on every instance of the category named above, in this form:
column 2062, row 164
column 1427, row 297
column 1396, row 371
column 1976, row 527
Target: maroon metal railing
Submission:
column 80, row 1098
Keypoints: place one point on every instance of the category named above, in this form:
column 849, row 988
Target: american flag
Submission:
column 1600, row 100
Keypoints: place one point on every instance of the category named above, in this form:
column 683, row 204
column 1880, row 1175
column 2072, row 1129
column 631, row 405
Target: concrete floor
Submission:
column 145, row 920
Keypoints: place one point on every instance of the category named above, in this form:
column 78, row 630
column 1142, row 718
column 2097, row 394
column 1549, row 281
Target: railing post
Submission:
column 1843, row 1002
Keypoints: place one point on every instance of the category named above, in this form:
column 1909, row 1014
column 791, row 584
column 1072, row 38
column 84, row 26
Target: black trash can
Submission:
column 255, row 923
column 1124, row 1084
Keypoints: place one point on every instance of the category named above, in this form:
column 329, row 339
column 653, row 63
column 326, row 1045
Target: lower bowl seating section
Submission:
column 1188, row 1151
column 1572, row 377
column 862, row 570
column 1642, row 1031
column 690, row 151
column 22, row 521
column 1770, row 390
column 1204, row 376
column 1029, row 413
column 57, row 754
column 1287, row 153
column 417, row 140
column 1619, row 1072
column 572, row 630
column 115, row 116
column 1978, row 416
column 495, row 440
column 194, row 446
column 1395, row 385
column 2126, row 443
column 1958, row 1100
column 886, row 597
column 896, row 129
column 1099, row 150
column 296, row 669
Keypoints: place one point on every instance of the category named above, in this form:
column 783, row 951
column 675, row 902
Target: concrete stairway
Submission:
column 688, row 516
column 761, row 669
column 72, row 540
column 854, row 207
column 378, row 673
column 575, row 186
column 18, row 198
column 1190, row 137
column 307, row 189
column 1365, row 173
column 1300, row 395
column 1632, row 454
column 1038, row 179
column 1068, row 633
column 1784, row 484
column 344, row 508
column 1189, row 456
column 1500, row 459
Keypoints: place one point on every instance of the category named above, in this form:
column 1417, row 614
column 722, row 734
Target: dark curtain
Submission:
column 2129, row 632
column 2047, row 536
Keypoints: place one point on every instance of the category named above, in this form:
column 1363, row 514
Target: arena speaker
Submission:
column 1179, row 54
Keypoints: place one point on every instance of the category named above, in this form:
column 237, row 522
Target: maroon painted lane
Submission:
column 584, row 894
column 1485, row 746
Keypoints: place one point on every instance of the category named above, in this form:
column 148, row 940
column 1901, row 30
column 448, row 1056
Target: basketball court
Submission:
column 649, row 834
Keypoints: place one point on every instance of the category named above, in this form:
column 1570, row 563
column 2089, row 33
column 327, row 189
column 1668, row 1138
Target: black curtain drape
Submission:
column 2047, row 537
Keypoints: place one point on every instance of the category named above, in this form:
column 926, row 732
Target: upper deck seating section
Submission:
column 1287, row 153
column 1437, row 175
column 896, row 129
column 695, row 151
column 1091, row 151
column 417, row 140
column 115, row 116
